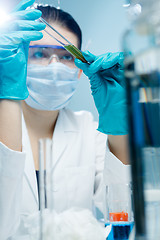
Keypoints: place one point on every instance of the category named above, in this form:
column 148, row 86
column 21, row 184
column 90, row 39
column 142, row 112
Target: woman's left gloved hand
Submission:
column 108, row 89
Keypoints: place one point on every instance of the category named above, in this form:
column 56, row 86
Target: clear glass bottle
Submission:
column 141, row 44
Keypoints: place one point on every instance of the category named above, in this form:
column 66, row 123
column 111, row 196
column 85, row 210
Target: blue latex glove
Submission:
column 14, row 42
column 108, row 89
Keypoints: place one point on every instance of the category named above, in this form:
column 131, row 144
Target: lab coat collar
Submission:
column 66, row 123
column 29, row 172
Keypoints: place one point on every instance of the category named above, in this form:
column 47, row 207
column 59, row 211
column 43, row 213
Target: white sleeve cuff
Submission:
column 115, row 171
column 11, row 162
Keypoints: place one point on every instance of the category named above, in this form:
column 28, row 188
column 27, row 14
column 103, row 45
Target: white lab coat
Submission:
column 78, row 156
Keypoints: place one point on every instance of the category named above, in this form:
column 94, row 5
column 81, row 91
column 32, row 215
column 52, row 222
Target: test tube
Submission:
column 41, row 186
column 45, row 180
column 49, row 174
column 73, row 50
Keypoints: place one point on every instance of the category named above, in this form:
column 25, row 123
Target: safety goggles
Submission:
column 46, row 54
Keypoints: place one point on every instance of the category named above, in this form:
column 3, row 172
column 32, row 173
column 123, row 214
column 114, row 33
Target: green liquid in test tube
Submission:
column 75, row 52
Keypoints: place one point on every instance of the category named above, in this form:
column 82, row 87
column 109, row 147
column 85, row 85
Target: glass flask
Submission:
column 141, row 45
column 119, row 212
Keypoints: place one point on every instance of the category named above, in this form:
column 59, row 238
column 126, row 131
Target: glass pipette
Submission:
column 69, row 46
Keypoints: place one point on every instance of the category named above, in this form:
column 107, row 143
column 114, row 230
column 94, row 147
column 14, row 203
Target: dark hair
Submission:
column 52, row 14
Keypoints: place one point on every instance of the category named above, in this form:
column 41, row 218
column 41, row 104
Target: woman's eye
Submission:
column 38, row 55
column 66, row 57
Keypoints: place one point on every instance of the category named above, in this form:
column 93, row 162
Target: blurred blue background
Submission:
column 103, row 23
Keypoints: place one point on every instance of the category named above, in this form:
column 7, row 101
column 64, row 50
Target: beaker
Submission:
column 119, row 211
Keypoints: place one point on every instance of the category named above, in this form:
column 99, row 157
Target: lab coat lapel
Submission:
column 29, row 163
column 60, row 138
column 60, row 141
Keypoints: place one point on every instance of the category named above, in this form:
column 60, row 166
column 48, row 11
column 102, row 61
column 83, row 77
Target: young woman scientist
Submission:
column 79, row 150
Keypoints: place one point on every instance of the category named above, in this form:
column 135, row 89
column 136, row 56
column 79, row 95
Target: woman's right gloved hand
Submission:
column 106, row 74
column 15, row 35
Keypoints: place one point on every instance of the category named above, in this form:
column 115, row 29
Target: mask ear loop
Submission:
column 80, row 73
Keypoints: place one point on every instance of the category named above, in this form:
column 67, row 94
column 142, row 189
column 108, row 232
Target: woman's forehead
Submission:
column 48, row 40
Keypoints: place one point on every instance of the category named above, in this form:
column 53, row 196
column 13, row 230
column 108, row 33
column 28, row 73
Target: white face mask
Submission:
column 50, row 87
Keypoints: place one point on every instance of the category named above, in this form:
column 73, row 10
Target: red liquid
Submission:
column 118, row 216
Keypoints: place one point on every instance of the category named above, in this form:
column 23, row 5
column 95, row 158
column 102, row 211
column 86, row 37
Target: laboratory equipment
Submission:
column 45, row 181
column 44, row 54
column 142, row 73
column 118, row 210
column 67, row 45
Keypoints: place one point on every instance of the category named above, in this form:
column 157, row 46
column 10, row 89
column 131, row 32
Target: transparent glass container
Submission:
column 141, row 44
column 118, row 210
